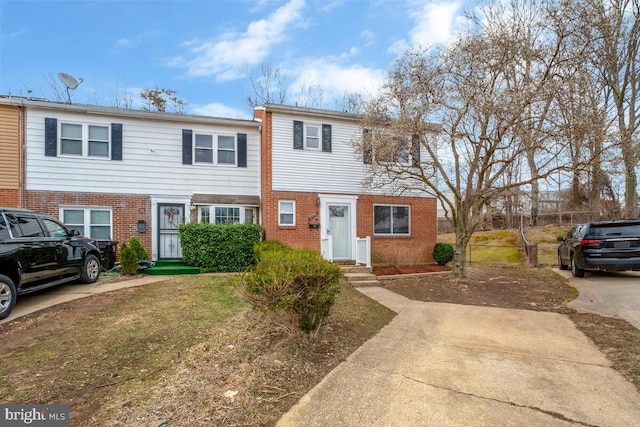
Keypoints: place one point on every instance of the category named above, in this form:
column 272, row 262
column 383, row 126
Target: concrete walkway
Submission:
column 442, row 365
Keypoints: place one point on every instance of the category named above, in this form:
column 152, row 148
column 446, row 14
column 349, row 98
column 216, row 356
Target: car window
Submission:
column 4, row 229
column 55, row 229
column 25, row 226
column 613, row 230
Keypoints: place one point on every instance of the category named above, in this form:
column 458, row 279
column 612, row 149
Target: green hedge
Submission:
column 219, row 247
column 299, row 283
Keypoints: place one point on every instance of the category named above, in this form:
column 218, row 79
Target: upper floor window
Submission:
column 84, row 140
column 391, row 220
column 390, row 149
column 89, row 222
column 224, row 147
column 204, row 148
column 311, row 136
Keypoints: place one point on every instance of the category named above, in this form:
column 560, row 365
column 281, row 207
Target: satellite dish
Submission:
column 70, row 82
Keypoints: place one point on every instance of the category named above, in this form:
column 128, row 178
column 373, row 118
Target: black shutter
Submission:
column 242, row 150
column 415, row 150
column 187, row 147
column 50, row 137
column 116, row 141
column 367, row 151
column 298, row 135
column 326, row 138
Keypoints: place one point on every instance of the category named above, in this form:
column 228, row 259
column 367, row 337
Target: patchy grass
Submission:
column 495, row 247
column 189, row 351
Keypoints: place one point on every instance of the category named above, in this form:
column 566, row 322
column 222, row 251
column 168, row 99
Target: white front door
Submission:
column 340, row 230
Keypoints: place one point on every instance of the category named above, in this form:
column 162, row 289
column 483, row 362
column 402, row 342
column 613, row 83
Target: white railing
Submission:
column 326, row 247
column 363, row 250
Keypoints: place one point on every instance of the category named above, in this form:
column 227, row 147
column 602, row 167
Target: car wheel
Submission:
column 91, row 269
column 7, row 296
column 561, row 266
column 575, row 271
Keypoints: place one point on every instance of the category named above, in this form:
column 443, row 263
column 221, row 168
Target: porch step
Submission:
column 170, row 268
column 350, row 268
column 362, row 279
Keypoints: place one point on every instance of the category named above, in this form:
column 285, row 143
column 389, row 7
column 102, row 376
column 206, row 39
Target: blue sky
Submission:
column 205, row 49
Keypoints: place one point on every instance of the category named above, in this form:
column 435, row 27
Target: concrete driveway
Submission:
column 609, row 294
column 453, row 365
column 30, row 303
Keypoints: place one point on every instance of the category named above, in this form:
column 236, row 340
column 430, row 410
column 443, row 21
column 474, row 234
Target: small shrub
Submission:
column 299, row 283
column 443, row 253
column 128, row 260
column 138, row 249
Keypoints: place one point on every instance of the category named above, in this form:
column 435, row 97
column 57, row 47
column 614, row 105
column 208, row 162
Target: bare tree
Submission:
column 615, row 32
column 57, row 89
column 268, row 86
column 469, row 91
column 122, row 98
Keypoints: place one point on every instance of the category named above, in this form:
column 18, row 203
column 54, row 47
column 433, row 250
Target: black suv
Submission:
column 37, row 251
column 606, row 246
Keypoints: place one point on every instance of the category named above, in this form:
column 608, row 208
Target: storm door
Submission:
column 169, row 219
column 340, row 230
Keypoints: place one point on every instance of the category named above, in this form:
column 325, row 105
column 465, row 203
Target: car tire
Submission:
column 90, row 269
column 562, row 266
column 8, row 295
column 575, row 271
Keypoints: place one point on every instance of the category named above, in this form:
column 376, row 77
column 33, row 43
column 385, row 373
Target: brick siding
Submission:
column 126, row 210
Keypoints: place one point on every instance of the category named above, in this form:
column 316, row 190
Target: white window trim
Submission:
column 316, row 125
column 85, row 139
column 391, row 233
column 215, row 149
column 87, row 216
column 212, row 212
column 281, row 212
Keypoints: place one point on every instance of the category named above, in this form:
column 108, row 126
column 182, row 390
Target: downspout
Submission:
column 22, row 153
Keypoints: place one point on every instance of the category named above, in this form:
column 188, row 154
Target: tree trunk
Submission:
column 630, row 194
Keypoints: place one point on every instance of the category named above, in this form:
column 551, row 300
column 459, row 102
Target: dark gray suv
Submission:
column 605, row 246
column 37, row 251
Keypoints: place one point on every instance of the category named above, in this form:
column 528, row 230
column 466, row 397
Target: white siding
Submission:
column 152, row 160
column 312, row 170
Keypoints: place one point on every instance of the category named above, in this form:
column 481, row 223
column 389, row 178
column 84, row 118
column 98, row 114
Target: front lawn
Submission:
column 189, row 351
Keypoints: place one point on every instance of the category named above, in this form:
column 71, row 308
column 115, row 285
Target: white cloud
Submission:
column 227, row 57
column 217, row 109
column 337, row 80
column 435, row 23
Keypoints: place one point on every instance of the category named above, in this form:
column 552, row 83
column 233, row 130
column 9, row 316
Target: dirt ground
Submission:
column 538, row 289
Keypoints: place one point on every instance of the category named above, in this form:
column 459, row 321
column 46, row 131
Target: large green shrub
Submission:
column 138, row 249
column 268, row 246
column 299, row 283
column 219, row 247
column 443, row 253
column 128, row 260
